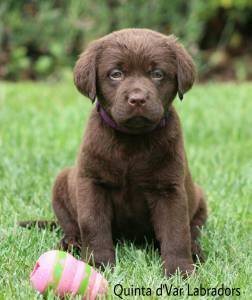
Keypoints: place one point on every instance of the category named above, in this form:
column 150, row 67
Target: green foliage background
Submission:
column 41, row 38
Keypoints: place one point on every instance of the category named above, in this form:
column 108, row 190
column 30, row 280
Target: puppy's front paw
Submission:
column 184, row 266
column 106, row 258
column 100, row 258
column 69, row 243
column 197, row 253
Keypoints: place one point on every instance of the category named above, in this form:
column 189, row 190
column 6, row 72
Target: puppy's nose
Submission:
column 137, row 99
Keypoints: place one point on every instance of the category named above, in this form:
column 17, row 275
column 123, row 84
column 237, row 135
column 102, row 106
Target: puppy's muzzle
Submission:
column 137, row 99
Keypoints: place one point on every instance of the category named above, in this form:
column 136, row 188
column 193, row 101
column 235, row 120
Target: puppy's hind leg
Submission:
column 197, row 222
column 62, row 208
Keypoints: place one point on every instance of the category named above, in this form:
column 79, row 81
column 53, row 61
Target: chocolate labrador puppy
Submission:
column 132, row 178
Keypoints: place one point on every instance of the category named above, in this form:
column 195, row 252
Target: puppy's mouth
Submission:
column 139, row 123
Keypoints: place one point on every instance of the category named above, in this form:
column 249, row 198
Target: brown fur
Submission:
column 138, row 184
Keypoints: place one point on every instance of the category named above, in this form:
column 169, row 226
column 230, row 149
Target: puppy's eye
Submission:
column 157, row 74
column 116, row 74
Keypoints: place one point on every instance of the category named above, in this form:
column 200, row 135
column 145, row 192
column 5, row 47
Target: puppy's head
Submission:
column 135, row 74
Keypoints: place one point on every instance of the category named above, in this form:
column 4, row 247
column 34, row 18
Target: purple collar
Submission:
column 111, row 123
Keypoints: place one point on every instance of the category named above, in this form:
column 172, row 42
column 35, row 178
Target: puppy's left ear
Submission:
column 186, row 72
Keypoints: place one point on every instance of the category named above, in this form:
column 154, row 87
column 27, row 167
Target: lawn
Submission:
column 41, row 126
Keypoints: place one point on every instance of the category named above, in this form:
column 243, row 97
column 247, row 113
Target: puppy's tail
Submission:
column 41, row 224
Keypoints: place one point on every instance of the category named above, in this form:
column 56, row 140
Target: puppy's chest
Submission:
column 132, row 175
column 129, row 185
column 131, row 213
column 126, row 183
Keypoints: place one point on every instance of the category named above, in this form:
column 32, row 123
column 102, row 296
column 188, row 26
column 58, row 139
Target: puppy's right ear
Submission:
column 85, row 71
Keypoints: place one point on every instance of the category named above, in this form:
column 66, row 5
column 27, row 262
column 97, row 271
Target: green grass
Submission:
column 41, row 126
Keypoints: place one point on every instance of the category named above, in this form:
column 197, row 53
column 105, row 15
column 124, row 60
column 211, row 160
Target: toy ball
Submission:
column 64, row 274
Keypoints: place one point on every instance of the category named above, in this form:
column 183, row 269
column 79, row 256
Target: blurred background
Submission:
column 42, row 39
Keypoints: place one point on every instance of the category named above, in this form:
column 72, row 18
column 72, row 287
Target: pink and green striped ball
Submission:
column 64, row 274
